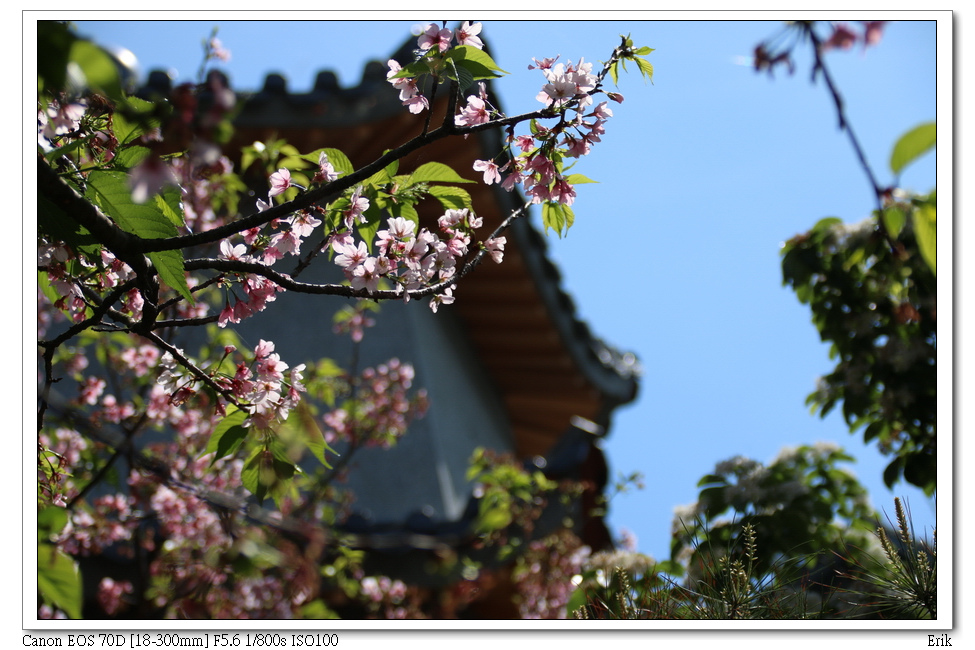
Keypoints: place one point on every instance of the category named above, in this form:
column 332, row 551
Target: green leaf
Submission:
column 477, row 61
column 415, row 69
column 646, row 68
column 54, row 42
column 557, row 216
column 577, row 601
column 169, row 266
column 643, row 50
column 134, row 122
column 228, row 435
column 493, row 516
column 406, row 211
column 99, row 68
column 926, row 231
column 299, row 432
column 58, row 579
column 110, row 191
column 894, row 220
column 258, row 473
column 129, row 157
column 313, row 435
column 709, row 479
column 913, row 145
column 52, row 221
column 170, row 204
column 463, row 76
column 434, row 172
column 451, row 198
column 50, row 521
column 578, row 179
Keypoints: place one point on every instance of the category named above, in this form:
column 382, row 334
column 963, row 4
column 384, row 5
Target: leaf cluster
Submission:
column 801, row 503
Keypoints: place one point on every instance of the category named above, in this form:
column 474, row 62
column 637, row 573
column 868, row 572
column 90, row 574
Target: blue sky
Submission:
column 674, row 255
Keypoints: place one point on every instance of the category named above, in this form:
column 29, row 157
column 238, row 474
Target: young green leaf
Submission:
column 578, row 179
column 99, row 69
column 912, row 145
column 110, row 191
column 646, row 68
column 434, row 172
column 450, row 197
column 228, row 435
column 58, row 579
column 926, row 231
column 477, row 61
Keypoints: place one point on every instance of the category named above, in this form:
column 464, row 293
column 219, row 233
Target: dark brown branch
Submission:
column 819, row 66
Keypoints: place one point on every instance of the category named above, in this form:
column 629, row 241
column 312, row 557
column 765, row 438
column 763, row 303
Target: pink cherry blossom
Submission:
column 303, row 224
column 217, row 50
column 59, row 119
column 230, row 252
column 280, row 181
column 435, row 36
column 444, row 298
column 417, row 104
column 476, row 112
column 495, row 248
column 490, row 169
column 358, row 205
column 366, row 276
column 842, row 38
column 467, row 35
column 544, row 64
column 563, row 192
column 873, row 31
column 326, row 172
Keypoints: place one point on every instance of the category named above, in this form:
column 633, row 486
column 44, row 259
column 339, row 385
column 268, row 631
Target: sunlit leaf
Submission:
column 228, row 435
column 926, row 231
column 434, row 172
column 100, row 70
column 913, row 145
column 110, row 191
column 58, row 579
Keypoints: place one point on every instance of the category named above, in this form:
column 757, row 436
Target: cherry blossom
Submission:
column 326, row 172
column 280, row 181
column 467, row 35
column 495, row 248
column 358, row 204
column 217, row 50
column 873, row 31
column 435, row 36
column 475, row 112
column 842, row 38
column 444, row 298
column 490, row 169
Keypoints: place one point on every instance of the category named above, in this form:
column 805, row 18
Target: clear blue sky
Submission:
column 674, row 254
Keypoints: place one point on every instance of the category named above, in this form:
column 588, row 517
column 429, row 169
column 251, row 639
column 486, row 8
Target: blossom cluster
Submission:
column 381, row 409
column 410, row 259
column 538, row 163
column 432, row 40
column 844, row 37
column 262, row 387
column 544, row 577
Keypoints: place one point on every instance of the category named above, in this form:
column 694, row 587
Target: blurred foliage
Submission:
column 801, row 505
column 872, row 290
